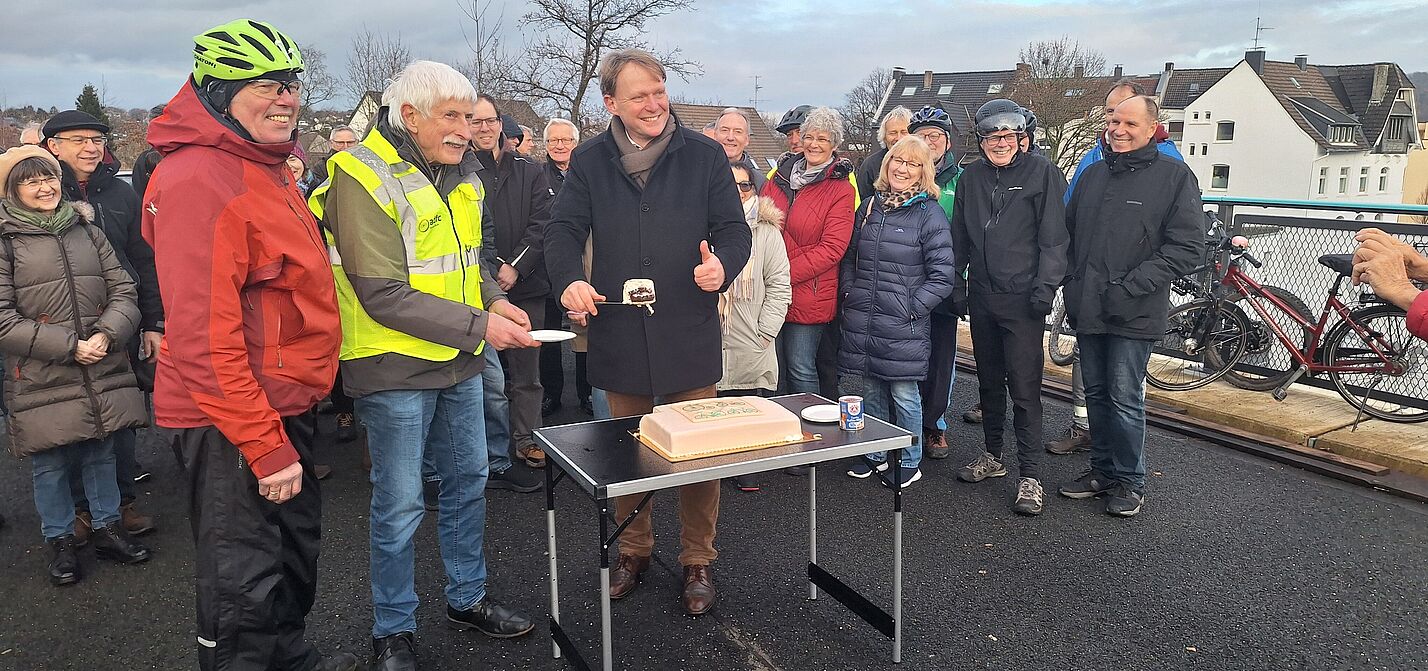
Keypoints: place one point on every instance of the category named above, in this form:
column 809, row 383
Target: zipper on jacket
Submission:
column 79, row 328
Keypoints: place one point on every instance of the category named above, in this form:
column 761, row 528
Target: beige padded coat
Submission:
column 56, row 289
column 753, row 308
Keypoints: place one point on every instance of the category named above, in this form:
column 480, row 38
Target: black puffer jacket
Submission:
column 117, row 213
column 1136, row 222
column 518, row 198
column 1009, row 226
column 56, row 289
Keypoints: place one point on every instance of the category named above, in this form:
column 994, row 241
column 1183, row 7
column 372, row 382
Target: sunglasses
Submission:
column 745, row 186
column 269, row 89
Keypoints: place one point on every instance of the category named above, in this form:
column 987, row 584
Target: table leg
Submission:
column 896, row 457
column 606, row 650
column 812, row 526
column 550, row 545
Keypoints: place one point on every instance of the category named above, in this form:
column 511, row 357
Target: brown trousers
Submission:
column 698, row 504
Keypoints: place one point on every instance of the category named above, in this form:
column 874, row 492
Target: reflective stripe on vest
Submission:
column 442, row 244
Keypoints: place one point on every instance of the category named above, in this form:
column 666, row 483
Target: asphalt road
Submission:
column 1235, row 563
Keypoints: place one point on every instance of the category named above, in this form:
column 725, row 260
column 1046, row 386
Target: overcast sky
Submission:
column 804, row 52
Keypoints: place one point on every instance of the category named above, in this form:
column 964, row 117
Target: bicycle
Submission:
column 1369, row 355
column 1060, row 346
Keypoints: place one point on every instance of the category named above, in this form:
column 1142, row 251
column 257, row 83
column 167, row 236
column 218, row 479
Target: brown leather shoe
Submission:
column 626, row 574
column 83, row 525
column 699, row 594
column 135, row 522
column 532, row 455
column 1078, row 441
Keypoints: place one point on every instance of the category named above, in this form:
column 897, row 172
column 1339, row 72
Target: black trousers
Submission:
column 941, row 369
column 523, row 388
column 552, row 367
column 256, row 561
column 341, row 402
column 1007, row 339
column 826, row 360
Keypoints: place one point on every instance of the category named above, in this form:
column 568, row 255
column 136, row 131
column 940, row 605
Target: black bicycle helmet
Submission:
column 1000, row 114
column 793, row 119
column 1030, row 123
column 930, row 116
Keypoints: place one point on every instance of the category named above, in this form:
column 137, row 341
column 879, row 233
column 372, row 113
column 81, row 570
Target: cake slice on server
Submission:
column 715, row 426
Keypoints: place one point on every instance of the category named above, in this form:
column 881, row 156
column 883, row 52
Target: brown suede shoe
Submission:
column 626, row 574
column 83, row 525
column 532, row 455
column 135, row 522
column 699, row 594
column 1078, row 441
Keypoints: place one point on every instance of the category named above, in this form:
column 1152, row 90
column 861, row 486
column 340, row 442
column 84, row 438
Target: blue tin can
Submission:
column 850, row 413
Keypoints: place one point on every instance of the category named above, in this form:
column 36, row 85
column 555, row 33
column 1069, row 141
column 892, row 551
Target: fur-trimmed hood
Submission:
column 769, row 214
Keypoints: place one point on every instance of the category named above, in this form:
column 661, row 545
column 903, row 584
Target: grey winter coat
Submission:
column 56, row 289
column 753, row 309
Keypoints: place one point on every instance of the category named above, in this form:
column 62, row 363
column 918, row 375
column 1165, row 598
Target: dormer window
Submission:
column 909, row 91
column 994, row 88
column 944, row 89
column 1341, row 134
column 1396, row 129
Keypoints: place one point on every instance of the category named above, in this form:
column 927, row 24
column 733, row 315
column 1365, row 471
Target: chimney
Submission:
column 1023, row 68
column 1302, row 61
column 1119, row 72
column 1169, row 67
column 1079, row 72
column 1255, row 58
column 898, row 72
column 926, row 79
column 1380, row 83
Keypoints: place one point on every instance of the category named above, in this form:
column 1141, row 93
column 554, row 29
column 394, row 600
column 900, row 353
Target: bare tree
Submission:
column 860, row 114
column 560, row 66
column 1064, row 92
column 491, row 67
column 376, row 58
column 319, row 84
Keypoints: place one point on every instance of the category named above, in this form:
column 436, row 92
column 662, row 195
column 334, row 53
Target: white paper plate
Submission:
column 551, row 335
column 821, row 414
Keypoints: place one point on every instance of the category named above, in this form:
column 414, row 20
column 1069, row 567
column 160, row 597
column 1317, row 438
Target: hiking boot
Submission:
column 1122, row 501
column 1090, row 485
column 985, row 466
column 1029, row 497
column 532, row 455
column 83, row 526
column 1078, row 441
column 135, row 522
column 346, row 427
column 116, row 545
column 864, row 467
column 520, row 480
column 935, row 441
column 64, row 565
column 973, row 416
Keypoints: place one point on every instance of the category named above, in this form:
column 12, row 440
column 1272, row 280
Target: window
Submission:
column 1194, row 86
column 1343, row 180
column 1383, row 180
column 1075, row 93
column 1378, row 217
column 1207, row 115
column 1220, row 177
column 1225, row 131
column 1323, row 179
column 1192, row 150
column 1341, row 134
column 1395, row 128
column 1363, row 180
column 1204, row 149
column 1176, row 130
column 944, row 89
column 1295, row 82
column 909, row 90
column 1197, row 116
column 1359, row 217
column 994, row 88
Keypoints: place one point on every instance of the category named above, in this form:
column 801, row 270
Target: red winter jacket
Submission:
column 816, row 231
column 1418, row 316
column 252, row 329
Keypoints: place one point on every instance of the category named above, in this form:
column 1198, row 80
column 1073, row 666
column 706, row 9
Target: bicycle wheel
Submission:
column 1266, row 364
column 1395, row 397
column 1178, row 361
column 1059, row 344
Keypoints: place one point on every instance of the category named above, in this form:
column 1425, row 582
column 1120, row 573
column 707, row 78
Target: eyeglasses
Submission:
column 1008, row 138
column 815, row 139
column 560, row 141
column 487, row 122
column 342, row 144
column 929, row 136
column 81, row 140
column 912, row 165
column 745, row 186
column 37, row 182
column 269, row 89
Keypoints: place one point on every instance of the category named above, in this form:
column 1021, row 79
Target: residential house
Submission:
column 765, row 146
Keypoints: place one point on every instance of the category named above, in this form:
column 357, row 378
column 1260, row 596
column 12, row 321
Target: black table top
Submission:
column 603, row 459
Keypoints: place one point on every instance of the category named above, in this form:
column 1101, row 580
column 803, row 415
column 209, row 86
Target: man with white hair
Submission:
column 731, row 130
column 418, row 310
column 561, row 136
column 892, row 128
column 31, row 134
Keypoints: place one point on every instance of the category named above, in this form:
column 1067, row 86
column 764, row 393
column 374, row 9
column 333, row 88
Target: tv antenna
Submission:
column 1259, row 28
column 754, row 102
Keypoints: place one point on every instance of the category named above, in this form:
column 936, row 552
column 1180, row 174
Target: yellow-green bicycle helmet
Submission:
column 241, row 50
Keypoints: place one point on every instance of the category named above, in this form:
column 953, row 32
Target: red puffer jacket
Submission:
column 1418, row 316
column 816, row 231
column 252, row 329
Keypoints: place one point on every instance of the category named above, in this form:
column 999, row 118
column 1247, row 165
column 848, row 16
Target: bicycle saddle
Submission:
column 1342, row 264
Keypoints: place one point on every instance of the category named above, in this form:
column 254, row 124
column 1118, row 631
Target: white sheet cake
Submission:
column 707, row 427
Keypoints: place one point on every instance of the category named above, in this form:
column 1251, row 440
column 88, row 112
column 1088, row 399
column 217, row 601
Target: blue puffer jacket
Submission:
column 898, row 268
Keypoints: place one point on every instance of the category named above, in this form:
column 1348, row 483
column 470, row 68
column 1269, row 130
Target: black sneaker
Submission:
column 746, row 483
column 549, row 406
column 1090, row 485
column 394, row 653
column 1122, row 501
column 909, row 476
column 491, row 619
column 516, row 479
column 431, row 495
column 1029, row 497
column 346, row 427
column 865, row 467
column 115, row 544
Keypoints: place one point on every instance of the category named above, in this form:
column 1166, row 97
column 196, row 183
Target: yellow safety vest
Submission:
column 443, row 245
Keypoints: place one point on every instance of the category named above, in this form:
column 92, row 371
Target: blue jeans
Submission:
column 50, row 471
column 798, row 344
column 498, row 419
column 448, row 425
column 599, row 403
column 1113, row 370
column 899, row 403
